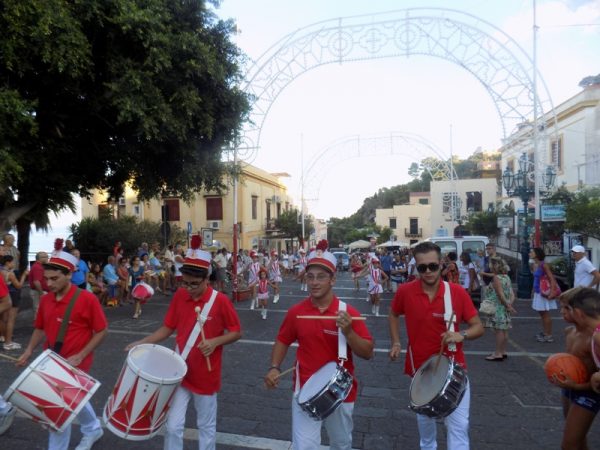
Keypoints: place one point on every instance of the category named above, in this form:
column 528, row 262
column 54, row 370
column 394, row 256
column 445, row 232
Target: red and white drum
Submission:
column 139, row 403
column 51, row 391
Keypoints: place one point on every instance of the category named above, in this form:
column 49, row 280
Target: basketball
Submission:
column 566, row 365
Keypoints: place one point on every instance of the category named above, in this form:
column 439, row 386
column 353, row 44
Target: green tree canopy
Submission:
column 583, row 213
column 96, row 93
column 291, row 227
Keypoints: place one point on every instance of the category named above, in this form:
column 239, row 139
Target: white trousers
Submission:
column 307, row 432
column 88, row 422
column 457, row 427
column 206, row 420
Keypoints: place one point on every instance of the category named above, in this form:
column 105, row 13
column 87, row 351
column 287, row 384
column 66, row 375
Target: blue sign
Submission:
column 189, row 227
column 553, row 213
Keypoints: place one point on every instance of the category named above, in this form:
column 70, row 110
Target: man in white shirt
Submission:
column 586, row 275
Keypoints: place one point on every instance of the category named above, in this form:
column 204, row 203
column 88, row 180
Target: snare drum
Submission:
column 436, row 392
column 51, row 391
column 139, row 403
column 325, row 390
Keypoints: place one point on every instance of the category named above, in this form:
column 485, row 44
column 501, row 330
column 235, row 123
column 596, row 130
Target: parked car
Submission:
column 345, row 259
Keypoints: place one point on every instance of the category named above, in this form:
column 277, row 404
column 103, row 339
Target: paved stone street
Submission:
column 512, row 404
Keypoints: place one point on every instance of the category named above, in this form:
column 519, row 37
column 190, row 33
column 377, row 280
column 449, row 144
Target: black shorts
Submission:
column 589, row 400
column 15, row 297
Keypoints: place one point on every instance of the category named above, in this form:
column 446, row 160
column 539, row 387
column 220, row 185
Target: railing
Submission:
column 413, row 233
column 270, row 225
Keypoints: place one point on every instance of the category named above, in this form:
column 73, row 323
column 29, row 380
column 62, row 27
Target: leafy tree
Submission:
column 583, row 213
column 290, row 225
column 96, row 93
column 483, row 224
column 95, row 237
column 385, row 234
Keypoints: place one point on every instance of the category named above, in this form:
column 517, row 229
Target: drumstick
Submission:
column 329, row 317
column 197, row 309
column 285, row 372
column 2, row 355
column 437, row 362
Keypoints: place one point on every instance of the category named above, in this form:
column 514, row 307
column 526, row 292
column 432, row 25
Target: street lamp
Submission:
column 517, row 185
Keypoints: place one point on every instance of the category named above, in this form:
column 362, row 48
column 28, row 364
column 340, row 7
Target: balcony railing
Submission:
column 270, row 225
column 413, row 232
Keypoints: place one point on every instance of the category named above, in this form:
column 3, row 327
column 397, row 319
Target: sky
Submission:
column 378, row 97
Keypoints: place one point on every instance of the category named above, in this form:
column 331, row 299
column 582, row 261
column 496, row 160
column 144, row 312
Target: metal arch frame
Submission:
column 495, row 59
column 356, row 146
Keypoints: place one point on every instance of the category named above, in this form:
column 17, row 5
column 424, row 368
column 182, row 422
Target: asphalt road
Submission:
column 512, row 404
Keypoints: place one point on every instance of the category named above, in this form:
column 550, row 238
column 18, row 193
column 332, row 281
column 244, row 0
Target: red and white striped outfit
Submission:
column 375, row 280
column 263, row 289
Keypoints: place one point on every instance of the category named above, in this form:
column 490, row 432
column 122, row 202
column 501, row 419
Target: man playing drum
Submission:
column 202, row 353
column 87, row 328
column 318, row 342
column 422, row 303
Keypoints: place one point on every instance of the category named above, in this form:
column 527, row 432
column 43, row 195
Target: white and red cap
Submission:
column 375, row 259
column 274, row 253
column 321, row 257
column 253, row 254
column 196, row 258
column 61, row 259
column 301, row 250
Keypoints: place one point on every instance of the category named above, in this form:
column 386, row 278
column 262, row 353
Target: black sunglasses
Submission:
column 433, row 267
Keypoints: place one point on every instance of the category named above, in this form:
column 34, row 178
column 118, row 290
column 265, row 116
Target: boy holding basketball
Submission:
column 581, row 307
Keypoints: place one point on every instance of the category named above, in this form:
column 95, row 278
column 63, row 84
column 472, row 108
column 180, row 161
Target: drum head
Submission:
column 157, row 363
column 429, row 380
column 317, row 382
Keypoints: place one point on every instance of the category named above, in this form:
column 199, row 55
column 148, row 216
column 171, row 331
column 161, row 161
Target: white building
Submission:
column 409, row 223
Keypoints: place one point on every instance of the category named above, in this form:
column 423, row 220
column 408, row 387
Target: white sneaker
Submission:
column 276, row 298
column 252, row 304
column 7, row 418
column 264, row 314
column 89, row 440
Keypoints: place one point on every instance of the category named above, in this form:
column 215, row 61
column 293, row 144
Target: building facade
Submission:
column 409, row 223
column 262, row 197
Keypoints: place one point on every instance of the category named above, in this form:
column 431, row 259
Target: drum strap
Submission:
column 198, row 327
column 65, row 323
column 448, row 313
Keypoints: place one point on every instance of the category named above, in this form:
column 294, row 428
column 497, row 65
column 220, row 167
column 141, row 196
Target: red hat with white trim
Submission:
column 253, row 254
column 61, row 259
column 321, row 257
column 196, row 258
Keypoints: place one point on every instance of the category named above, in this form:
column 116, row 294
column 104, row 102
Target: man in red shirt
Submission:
column 202, row 352
column 37, row 282
column 87, row 328
column 422, row 304
column 318, row 342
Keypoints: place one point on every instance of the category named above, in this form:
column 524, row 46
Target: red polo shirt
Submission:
column 3, row 288
column 425, row 321
column 86, row 319
column 181, row 317
column 318, row 339
column 37, row 274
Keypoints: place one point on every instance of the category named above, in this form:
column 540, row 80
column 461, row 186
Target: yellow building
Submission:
column 262, row 197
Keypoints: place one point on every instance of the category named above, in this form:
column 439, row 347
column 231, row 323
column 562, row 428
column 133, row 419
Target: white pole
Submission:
column 452, row 185
column 536, row 161
column 302, row 184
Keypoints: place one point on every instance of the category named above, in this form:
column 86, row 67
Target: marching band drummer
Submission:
column 201, row 348
column 422, row 304
column 317, row 346
column 87, row 327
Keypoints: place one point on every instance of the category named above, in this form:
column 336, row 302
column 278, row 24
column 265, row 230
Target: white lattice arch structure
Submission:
column 489, row 54
column 410, row 146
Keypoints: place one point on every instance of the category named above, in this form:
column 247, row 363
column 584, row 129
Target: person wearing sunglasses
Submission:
column 193, row 300
column 421, row 302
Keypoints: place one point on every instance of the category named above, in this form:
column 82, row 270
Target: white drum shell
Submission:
column 138, row 406
column 51, row 391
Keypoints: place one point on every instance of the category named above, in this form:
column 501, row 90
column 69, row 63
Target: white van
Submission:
column 470, row 244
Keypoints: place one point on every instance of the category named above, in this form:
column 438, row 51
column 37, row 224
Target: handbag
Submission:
column 487, row 307
column 546, row 287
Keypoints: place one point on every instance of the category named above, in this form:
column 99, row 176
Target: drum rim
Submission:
column 129, row 361
column 338, row 368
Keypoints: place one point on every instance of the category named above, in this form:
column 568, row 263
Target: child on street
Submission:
column 581, row 307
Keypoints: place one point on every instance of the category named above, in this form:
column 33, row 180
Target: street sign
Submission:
column 553, row 213
column 189, row 227
column 505, row 222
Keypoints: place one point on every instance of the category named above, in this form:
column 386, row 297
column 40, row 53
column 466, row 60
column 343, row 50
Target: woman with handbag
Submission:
column 500, row 294
column 543, row 304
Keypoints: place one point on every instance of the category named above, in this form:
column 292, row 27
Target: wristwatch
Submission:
column 464, row 334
